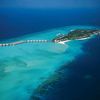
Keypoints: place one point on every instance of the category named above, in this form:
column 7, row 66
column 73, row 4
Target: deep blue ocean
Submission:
column 16, row 22
column 84, row 81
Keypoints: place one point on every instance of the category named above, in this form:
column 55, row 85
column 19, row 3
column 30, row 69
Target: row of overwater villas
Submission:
column 21, row 42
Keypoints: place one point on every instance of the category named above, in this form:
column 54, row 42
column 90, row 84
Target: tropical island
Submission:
column 76, row 34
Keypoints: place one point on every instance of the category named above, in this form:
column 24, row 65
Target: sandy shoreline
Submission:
column 63, row 42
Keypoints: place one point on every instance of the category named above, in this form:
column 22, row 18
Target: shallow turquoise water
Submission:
column 24, row 67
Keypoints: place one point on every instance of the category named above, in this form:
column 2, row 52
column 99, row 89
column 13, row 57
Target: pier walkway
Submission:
column 23, row 41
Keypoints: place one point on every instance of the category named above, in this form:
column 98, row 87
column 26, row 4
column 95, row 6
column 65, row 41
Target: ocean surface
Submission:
column 17, row 22
column 83, row 82
column 25, row 67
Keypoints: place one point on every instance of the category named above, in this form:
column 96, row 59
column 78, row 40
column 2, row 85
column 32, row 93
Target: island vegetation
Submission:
column 76, row 34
